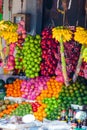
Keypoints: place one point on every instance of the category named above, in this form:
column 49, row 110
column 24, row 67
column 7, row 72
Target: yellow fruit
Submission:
column 8, row 31
column 59, row 32
column 81, row 35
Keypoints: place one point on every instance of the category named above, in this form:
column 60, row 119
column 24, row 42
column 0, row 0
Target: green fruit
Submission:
column 38, row 37
column 26, row 39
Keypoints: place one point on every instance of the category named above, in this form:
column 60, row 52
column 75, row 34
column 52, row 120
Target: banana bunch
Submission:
column 59, row 32
column 8, row 31
column 2, row 26
column 81, row 35
column 84, row 56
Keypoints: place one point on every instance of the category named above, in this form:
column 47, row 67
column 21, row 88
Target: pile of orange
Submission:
column 53, row 89
column 40, row 113
column 8, row 109
column 14, row 89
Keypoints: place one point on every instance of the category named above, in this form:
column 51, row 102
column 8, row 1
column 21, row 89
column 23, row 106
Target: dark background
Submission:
column 52, row 17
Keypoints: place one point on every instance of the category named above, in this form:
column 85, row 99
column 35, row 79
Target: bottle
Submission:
column 63, row 115
column 74, row 123
column 74, row 113
column 70, row 115
column 79, row 124
column 84, row 124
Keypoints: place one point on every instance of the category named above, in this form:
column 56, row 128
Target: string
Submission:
column 57, row 4
column 70, row 2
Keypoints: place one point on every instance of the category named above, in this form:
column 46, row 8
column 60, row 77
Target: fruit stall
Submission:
column 43, row 77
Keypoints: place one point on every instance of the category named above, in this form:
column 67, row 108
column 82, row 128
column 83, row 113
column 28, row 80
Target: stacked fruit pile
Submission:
column 76, row 93
column 49, row 96
column 28, row 58
column 23, row 108
column 14, row 89
column 40, row 114
column 49, row 50
column 40, row 88
column 33, row 87
column 53, row 89
column 6, row 107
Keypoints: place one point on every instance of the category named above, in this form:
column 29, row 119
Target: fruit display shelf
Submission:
column 16, row 99
column 16, row 126
column 19, row 99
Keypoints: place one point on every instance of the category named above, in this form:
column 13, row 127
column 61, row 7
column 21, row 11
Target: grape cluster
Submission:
column 83, row 70
column 72, row 52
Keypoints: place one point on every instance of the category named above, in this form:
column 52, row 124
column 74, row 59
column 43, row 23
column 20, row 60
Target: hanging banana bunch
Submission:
column 62, row 34
column 80, row 36
column 66, row 33
column 8, row 31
